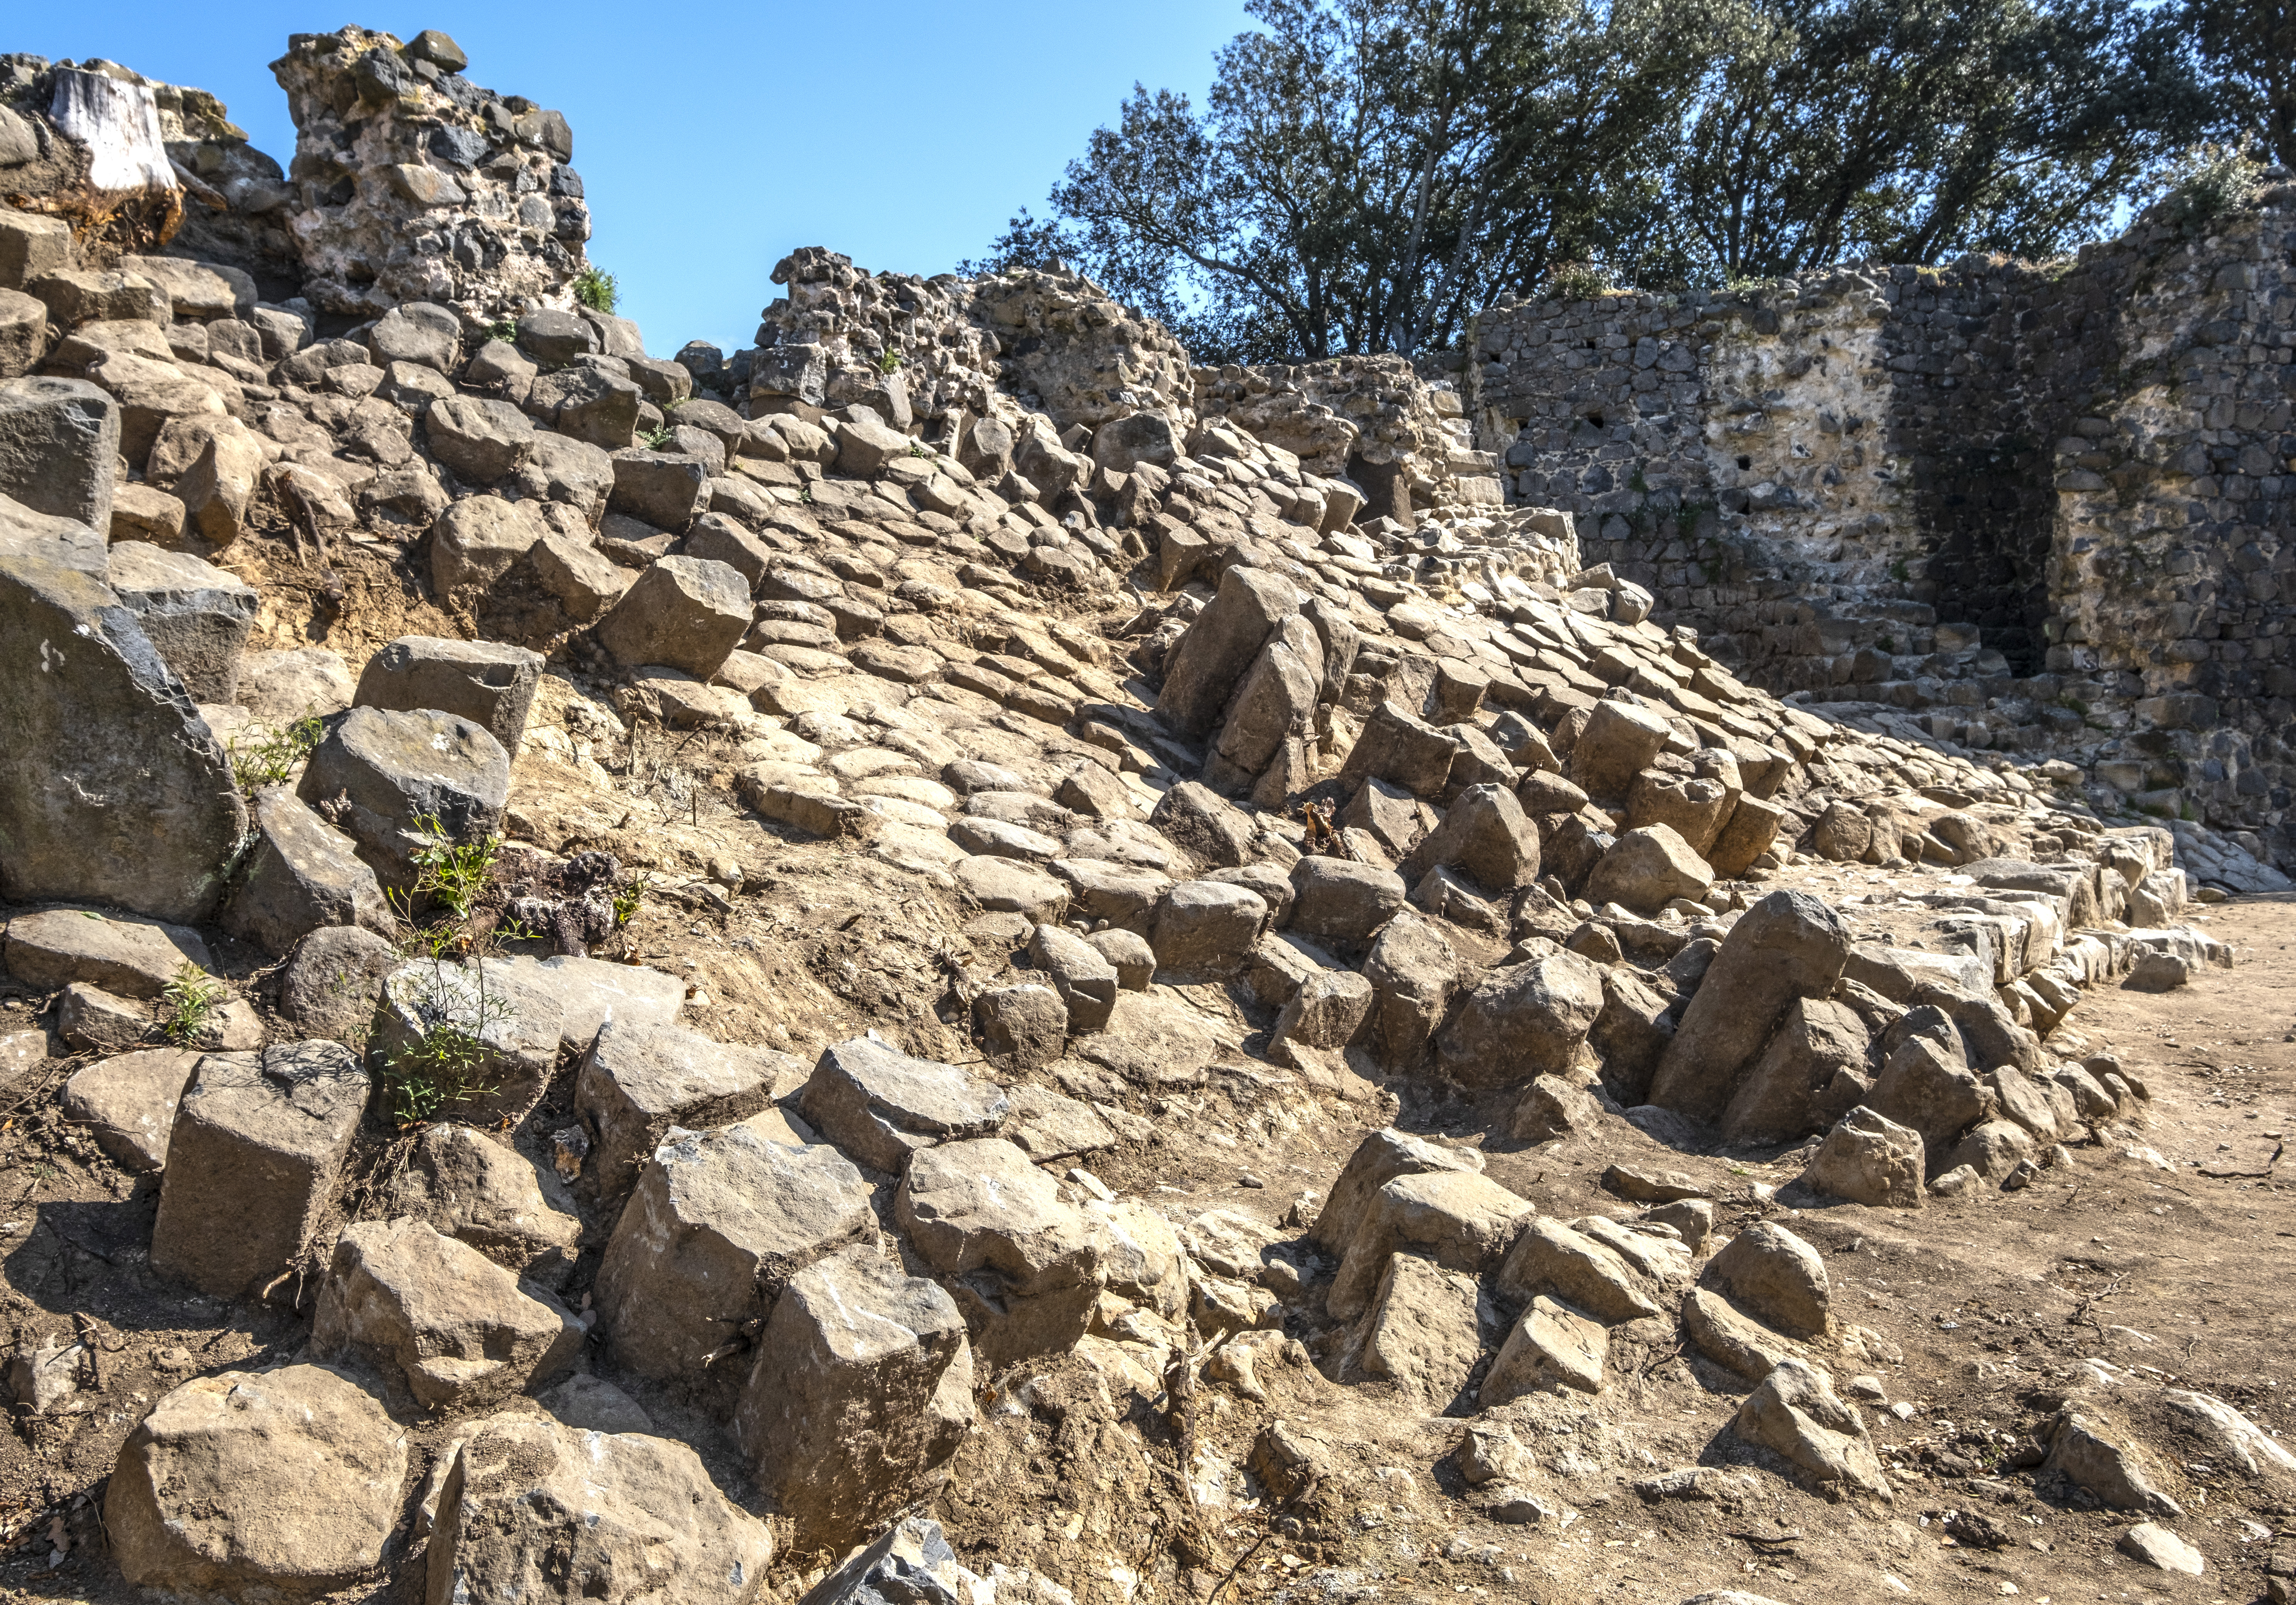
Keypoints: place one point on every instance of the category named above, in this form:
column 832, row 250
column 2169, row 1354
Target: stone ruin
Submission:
column 1999, row 507
column 1006, row 759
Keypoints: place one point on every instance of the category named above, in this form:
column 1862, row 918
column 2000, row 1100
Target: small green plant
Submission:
column 674, row 403
column 805, row 495
column 1888, row 644
column 445, row 1003
column 917, row 450
column 630, row 896
column 447, row 1062
column 889, row 359
column 502, row 328
column 659, row 437
column 449, row 872
column 1897, row 571
column 189, row 1001
column 596, row 289
column 265, row 755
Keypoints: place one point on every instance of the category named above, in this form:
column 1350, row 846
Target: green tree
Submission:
column 1913, row 130
column 2250, row 49
column 1366, row 171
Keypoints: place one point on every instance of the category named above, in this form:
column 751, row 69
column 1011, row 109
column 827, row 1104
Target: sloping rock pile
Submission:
column 1229, row 799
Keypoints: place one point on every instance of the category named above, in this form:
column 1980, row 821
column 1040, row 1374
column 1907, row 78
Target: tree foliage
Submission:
column 2250, row 49
column 1366, row 172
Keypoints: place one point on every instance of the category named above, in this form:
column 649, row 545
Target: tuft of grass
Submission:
column 596, row 289
column 889, row 359
column 502, row 328
column 265, row 755
column 656, row 439
column 190, row 1001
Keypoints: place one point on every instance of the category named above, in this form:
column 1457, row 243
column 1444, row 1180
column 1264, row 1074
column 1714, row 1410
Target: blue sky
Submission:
column 712, row 138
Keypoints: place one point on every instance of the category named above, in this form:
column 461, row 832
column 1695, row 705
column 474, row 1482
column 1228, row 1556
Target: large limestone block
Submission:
column 1461, row 1220
column 519, row 1028
column 1552, row 1258
column 460, row 1329
column 1811, row 1072
column 1522, row 1021
column 881, row 1105
column 1379, row 1159
column 483, row 681
column 399, row 769
column 257, row 1486
column 53, row 948
column 1397, row 747
column 685, row 613
column 1413, row 971
column 283, row 687
column 300, row 874
column 1203, row 929
column 197, row 614
column 1205, row 668
column 1551, row 1348
column 117, row 792
column 1485, row 833
column 534, row 1510
column 1023, row 1265
column 516, row 1212
column 256, row 1150
column 1868, row 1159
column 59, row 448
column 718, row 1223
column 1336, row 901
column 1796, row 1413
column 1648, row 868
column 481, row 441
column 1618, row 744
column 638, row 1080
column 1775, row 1277
column 1788, row 945
column 152, row 395
column 1423, row 1329
column 477, row 541
column 861, row 1394
column 128, row 1104
column 332, row 984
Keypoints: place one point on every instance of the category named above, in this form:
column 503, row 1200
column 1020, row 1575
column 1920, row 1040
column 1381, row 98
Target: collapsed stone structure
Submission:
column 2040, row 508
column 1208, row 751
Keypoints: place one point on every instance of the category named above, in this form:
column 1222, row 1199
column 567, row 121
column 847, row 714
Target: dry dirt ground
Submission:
column 1981, row 1314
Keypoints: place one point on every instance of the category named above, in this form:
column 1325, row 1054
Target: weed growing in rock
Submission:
column 451, row 873
column 889, row 359
column 190, row 1001
column 596, row 289
column 502, row 328
column 656, row 439
column 445, row 993
column 265, row 755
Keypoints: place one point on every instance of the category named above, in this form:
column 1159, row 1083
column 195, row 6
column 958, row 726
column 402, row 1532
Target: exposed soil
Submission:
column 1982, row 1315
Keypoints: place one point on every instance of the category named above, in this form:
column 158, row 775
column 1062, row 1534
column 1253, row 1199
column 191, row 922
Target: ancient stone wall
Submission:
column 2043, row 508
